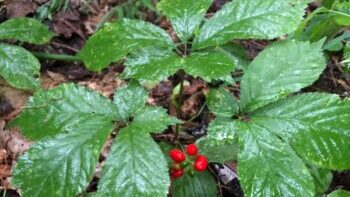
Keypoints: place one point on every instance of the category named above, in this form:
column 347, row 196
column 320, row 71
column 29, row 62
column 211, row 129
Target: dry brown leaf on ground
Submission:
column 105, row 83
column 18, row 8
column 51, row 79
column 13, row 142
column 68, row 22
column 13, row 97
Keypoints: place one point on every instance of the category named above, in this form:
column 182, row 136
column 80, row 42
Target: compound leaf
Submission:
column 130, row 99
column 184, row 15
column 316, row 124
column 61, row 110
column 63, row 166
column 199, row 184
column 281, row 172
column 244, row 19
column 135, row 166
column 279, row 70
column 208, row 65
column 26, row 30
column 115, row 41
column 19, row 67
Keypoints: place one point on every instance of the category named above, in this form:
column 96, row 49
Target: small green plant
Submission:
column 328, row 20
column 17, row 65
column 51, row 7
column 285, row 142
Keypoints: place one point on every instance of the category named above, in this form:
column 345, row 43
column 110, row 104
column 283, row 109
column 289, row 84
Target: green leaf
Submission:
column 154, row 119
column 316, row 124
column 320, row 26
column 135, row 167
column 26, row 30
column 341, row 13
column 130, row 99
column 152, row 66
column 115, row 41
column 346, row 57
column 62, row 165
column 208, row 65
column 222, row 103
column 281, row 172
column 185, row 15
column 336, row 44
column 19, row 67
column 221, row 142
column 61, row 110
column 322, row 179
column 244, row 19
column 279, row 70
column 199, row 184
column 237, row 53
column 339, row 193
column 316, row 25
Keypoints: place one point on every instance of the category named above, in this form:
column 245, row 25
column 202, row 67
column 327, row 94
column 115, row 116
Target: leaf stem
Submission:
column 60, row 57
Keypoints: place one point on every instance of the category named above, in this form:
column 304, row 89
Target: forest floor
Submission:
column 72, row 28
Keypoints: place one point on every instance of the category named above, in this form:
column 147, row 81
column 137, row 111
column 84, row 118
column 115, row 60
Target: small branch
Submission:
column 60, row 57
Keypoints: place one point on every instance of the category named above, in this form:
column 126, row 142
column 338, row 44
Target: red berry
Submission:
column 201, row 163
column 177, row 155
column 176, row 173
column 192, row 149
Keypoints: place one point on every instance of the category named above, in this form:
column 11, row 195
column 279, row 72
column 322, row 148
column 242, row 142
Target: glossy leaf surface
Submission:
column 339, row 193
column 222, row 103
column 26, row 30
column 152, row 66
column 62, row 166
column 130, row 99
column 316, row 124
column 184, row 15
column 221, row 142
column 200, row 184
column 154, row 119
column 280, row 171
column 208, row 65
column 244, row 19
column 135, row 167
column 322, row 178
column 279, row 70
column 19, row 67
column 61, row 110
column 115, row 41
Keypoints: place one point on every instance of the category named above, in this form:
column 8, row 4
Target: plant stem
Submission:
column 182, row 79
column 4, row 192
column 60, row 57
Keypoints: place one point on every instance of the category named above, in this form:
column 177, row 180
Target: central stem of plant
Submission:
column 180, row 96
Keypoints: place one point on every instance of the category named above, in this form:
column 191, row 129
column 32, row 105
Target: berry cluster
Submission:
column 180, row 163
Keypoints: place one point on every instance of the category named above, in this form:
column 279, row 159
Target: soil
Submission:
column 72, row 28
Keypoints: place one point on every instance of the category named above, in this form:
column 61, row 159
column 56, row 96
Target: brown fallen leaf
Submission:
column 18, row 8
column 3, row 154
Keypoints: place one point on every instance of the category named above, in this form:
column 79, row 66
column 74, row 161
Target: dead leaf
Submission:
column 51, row 79
column 3, row 154
column 5, row 170
column 18, row 8
column 14, row 142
